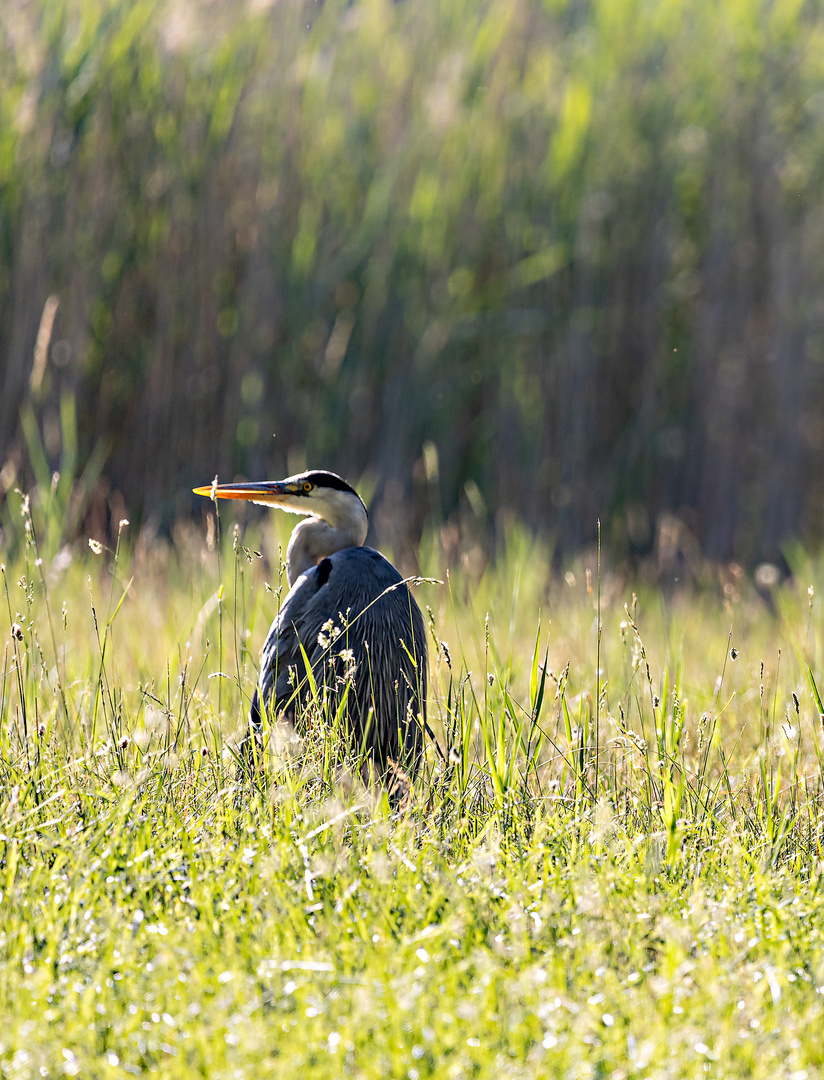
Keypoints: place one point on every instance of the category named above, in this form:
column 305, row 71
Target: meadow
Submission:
column 610, row 866
column 517, row 261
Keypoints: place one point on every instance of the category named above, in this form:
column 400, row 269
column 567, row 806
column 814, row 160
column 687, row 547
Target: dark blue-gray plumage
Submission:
column 352, row 615
column 357, row 622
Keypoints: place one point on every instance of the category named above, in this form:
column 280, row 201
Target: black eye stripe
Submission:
column 324, row 479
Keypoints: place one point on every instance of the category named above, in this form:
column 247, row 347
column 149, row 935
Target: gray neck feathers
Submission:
column 315, row 538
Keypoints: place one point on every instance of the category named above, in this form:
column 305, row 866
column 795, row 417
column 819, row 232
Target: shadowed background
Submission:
column 555, row 261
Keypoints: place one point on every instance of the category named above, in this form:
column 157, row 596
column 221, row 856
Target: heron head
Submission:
column 317, row 493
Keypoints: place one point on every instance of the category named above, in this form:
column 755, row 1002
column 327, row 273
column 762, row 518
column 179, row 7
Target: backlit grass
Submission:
column 603, row 871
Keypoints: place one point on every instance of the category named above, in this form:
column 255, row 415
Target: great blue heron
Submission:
column 349, row 613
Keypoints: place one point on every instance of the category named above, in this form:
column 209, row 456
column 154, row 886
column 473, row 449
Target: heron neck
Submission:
column 314, row 539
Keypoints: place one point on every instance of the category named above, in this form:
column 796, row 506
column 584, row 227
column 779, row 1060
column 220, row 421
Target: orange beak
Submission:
column 266, row 493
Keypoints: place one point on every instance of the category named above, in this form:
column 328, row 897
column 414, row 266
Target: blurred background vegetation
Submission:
column 551, row 260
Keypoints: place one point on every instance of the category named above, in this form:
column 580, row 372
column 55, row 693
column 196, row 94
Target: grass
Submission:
column 649, row 905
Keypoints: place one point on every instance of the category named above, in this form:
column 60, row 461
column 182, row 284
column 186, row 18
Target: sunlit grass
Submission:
column 646, row 905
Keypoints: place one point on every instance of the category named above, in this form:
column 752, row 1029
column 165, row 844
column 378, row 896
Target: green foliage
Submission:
column 565, row 242
column 61, row 498
column 525, row 911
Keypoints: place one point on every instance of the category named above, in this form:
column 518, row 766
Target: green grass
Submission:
column 615, row 874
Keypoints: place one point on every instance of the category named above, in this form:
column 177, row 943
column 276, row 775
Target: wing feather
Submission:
column 353, row 609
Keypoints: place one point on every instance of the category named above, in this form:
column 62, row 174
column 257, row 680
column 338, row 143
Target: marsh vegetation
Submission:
column 612, row 867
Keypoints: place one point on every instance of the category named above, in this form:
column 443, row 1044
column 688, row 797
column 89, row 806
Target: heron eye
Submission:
column 307, row 486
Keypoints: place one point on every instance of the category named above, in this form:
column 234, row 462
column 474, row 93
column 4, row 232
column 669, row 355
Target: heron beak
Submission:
column 266, row 493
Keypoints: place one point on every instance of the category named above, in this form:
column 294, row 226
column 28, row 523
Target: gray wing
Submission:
column 282, row 667
column 356, row 620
